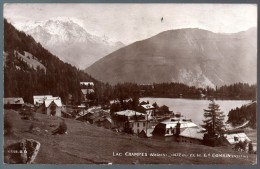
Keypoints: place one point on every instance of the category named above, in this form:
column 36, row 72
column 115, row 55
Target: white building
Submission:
column 191, row 135
column 169, row 128
column 137, row 120
column 38, row 100
column 149, row 109
column 234, row 138
column 53, row 106
column 87, row 84
column 49, row 105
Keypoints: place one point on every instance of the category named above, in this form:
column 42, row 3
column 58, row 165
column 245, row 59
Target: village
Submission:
column 145, row 124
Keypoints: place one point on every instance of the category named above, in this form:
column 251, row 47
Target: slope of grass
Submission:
column 88, row 144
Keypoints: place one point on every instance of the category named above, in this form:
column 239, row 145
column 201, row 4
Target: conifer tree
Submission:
column 214, row 118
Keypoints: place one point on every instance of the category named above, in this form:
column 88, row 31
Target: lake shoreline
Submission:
column 194, row 108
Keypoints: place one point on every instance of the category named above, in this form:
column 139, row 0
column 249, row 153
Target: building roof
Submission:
column 109, row 119
column 56, row 100
column 81, row 106
column 129, row 113
column 87, row 83
column 192, row 133
column 184, row 124
column 236, row 137
column 82, row 113
column 13, row 100
column 40, row 98
column 147, row 106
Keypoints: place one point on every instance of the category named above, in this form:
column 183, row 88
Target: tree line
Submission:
column 245, row 113
column 21, row 80
column 62, row 79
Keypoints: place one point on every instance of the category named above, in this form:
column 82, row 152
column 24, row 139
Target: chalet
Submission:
column 87, row 84
column 105, row 122
column 138, row 125
column 38, row 100
column 85, row 92
column 81, row 113
column 191, row 135
column 149, row 109
column 92, row 115
column 13, row 102
column 172, row 128
column 137, row 120
column 233, row 137
column 85, row 117
column 127, row 115
column 53, row 107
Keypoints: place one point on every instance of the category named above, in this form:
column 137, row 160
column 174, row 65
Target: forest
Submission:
column 245, row 113
column 62, row 79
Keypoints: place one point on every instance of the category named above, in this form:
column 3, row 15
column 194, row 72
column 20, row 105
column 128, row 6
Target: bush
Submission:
column 250, row 147
column 61, row 129
column 27, row 113
column 31, row 127
column 127, row 129
column 241, row 145
column 164, row 110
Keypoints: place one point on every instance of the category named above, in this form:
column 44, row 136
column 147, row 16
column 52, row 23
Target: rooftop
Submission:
column 192, row 133
column 13, row 100
column 40, row 98
column 87, row 83
column 56, row 100
column 129, row 113
column 236, row 137
column 184, row 124
column 147, row 106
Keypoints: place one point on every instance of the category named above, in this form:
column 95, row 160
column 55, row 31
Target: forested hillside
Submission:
column 245, row 113
column 22, row 80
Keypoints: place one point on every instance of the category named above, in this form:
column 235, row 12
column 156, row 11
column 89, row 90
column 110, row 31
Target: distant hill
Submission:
column 30, row 69
column 190, row 56
column 68, row 40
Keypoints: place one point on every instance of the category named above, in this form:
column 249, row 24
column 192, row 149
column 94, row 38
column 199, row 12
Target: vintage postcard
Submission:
column 129, row 83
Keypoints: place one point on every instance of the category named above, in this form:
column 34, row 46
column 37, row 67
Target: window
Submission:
column 144, row 124
column 137, row 124
column 167, row 131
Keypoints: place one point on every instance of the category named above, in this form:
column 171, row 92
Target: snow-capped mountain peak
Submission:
column 61, row 34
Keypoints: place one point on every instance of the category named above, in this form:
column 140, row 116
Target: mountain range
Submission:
column 67, row 39
column 191, row 56
column 30, row 69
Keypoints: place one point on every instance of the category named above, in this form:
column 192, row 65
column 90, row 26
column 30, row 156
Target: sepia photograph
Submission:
column 129, row 83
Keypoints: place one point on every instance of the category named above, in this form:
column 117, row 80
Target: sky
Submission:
column 132, row 22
